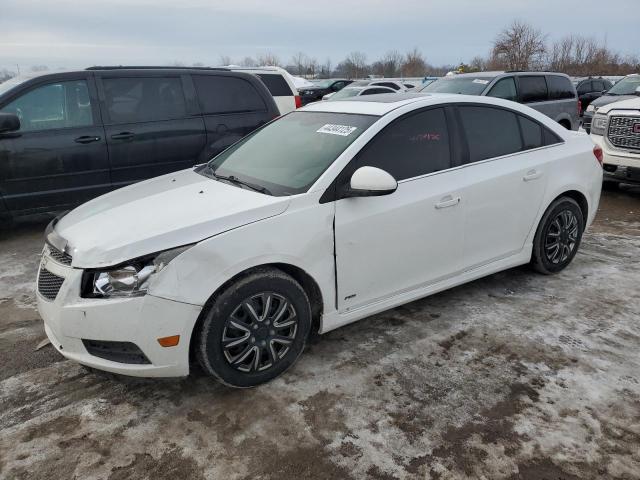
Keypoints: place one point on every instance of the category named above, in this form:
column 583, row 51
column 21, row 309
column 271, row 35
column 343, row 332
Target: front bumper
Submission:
column 69, row 320
column 619, row 165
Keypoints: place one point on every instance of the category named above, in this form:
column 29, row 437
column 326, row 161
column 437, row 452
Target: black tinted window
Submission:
column 559, row 87
column 144, row 99
column 276, row 84
column 490, row 132
column 411, row 146
column 373, row 91
column 584, row 87
column 387, row 84
column 533, row 89
column 531, row 133
column 504, row 88
column 220, row 94
column 598, row 85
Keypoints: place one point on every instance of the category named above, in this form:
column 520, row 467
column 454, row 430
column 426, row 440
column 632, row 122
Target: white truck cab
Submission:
column 616, row 129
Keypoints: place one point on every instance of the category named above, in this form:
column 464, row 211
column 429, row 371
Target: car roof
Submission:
column 379, row 104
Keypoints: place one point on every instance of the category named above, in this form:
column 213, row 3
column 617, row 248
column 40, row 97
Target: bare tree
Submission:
column 226, row 60
column 520, row 47
column 414, row 64
column 391, row 63
column 356, row 63
column 299, row 62
column 326, row 69
column 248, row 62
column 268, row 59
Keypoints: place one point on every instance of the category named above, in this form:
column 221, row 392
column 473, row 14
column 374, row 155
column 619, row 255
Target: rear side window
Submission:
column 533, row 89
column 584, row 87
column 414, row 145
column 139, row 99
column 276, row 84
column 598, row 85
column 491, row 132
column 387, row 84
column 531, row 133
column 373, row 91
column 504, row 88
column 226, row 94
column 560, row 87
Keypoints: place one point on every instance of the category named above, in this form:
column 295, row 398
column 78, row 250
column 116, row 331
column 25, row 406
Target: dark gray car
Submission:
column 550, row 93
column 623, row 90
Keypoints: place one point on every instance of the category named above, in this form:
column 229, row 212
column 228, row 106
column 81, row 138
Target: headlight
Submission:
column 599, row 124
column 590, row 109
column 129, row 280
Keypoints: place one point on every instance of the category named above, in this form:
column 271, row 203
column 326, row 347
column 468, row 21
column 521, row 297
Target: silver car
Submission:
column 552, row 94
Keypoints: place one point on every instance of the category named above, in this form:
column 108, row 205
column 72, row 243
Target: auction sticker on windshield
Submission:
column 342, row 130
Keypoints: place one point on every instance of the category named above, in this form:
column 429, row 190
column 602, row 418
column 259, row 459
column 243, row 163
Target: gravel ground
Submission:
column 512, row 376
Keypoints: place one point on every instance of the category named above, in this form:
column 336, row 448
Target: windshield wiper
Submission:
column 237, row 181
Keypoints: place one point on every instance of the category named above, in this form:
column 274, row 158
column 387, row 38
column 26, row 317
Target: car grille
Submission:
column 49, row 284
column 60, row 257
column 621, row 132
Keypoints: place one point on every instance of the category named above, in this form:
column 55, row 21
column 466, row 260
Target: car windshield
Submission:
column 626, row 86
column 467, row 85
column 323, row 83
column 288, row 155
column 345, row 93
column 12, row 82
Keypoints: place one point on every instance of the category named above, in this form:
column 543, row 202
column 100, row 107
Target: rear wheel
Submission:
column 558, row 236
column 255, row 330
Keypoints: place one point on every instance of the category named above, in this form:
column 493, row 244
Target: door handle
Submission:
column 123, row 136
column 532, row 175
column 87, row 139
column 448, row 201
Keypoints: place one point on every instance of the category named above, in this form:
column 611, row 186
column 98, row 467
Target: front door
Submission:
column 151, row 126
column 411, row 238
column 58, row 158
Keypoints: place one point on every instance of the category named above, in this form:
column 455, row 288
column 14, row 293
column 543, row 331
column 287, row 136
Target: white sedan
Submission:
column 325, row 216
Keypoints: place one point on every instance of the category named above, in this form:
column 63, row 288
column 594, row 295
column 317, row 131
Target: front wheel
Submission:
column 558, row 236
column 255, row 330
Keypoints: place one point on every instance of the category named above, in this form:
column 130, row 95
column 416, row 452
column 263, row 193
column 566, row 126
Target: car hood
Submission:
column 633, row 103
column 607, row 99
column 158, row 214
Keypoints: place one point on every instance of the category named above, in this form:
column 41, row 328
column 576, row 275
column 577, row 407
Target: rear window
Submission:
column 276, row 84
column 223, row 94
column 559, row 87
column 465, row 85
column 533, row 89
column 140, row 99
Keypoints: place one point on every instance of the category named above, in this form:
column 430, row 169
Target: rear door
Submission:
column 232, row 107
column 152, row 124
column 58, row 158
column 505, row 179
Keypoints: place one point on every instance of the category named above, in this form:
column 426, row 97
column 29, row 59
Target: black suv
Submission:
column 68, row 137
column 591, row 88
column 321, row 88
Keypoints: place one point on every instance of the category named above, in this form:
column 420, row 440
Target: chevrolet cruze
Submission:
column 320, row 218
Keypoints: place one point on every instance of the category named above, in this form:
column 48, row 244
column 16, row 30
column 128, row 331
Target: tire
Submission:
column 241, row 345
column 562, row 220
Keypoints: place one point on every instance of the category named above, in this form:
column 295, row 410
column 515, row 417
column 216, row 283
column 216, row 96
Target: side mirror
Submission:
column 371, row 182
column 9, row 123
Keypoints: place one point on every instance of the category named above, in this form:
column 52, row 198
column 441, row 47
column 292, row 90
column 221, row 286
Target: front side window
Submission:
column 53, row 106
column 414, row 145
column 504, row 88
column 288, row 155
column 490, row 132
column 533, row 89
column 140, row 99
column 226, row 94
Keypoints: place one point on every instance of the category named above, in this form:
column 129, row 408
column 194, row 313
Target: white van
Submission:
column 279, row 83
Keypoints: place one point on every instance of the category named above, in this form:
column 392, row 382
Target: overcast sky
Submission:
column 68, row 33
